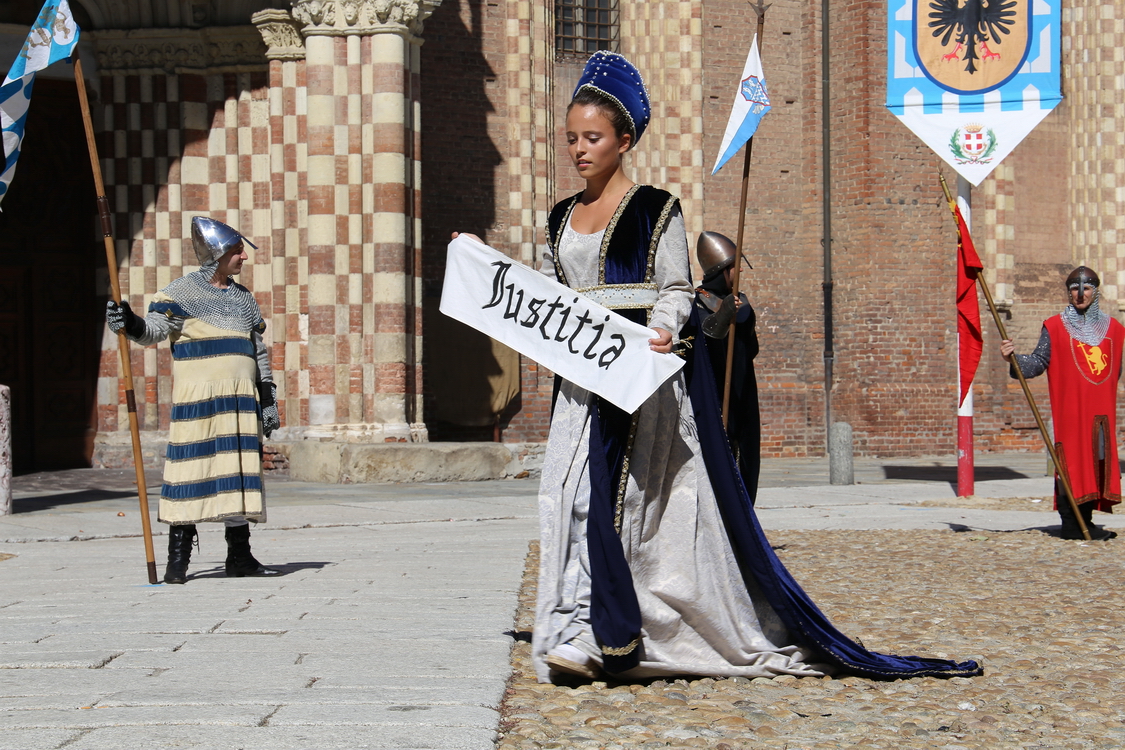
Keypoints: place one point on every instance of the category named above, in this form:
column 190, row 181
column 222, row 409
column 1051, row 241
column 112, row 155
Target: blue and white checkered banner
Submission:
column 973, row 78
column 53, row 37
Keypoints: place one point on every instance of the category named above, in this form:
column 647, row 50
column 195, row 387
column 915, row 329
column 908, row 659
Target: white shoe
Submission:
column 571, row 660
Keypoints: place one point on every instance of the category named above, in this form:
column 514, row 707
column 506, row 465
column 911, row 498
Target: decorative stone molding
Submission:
column 214, row 50
column 380, row 432
column 281, row 34
column 363, row 17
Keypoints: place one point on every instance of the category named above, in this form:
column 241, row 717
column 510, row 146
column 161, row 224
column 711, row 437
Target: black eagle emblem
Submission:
column 972, row 24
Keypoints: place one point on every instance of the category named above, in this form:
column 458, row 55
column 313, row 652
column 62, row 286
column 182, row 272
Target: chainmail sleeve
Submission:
column 159, row 327
column 1034, row 364
column 262, row 354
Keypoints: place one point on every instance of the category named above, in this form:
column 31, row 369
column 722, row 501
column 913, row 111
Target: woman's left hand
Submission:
column 663, row 342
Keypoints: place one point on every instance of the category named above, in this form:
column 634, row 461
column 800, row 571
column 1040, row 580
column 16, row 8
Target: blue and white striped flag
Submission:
column 53, row 37
column 750, row 105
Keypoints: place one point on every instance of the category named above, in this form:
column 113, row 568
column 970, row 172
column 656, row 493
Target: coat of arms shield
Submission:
column 971, row 46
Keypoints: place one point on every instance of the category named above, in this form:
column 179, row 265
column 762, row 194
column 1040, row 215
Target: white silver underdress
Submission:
column 698, row 618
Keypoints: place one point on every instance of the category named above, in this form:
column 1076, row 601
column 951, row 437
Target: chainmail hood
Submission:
column 1089, row 328
column 233, row 308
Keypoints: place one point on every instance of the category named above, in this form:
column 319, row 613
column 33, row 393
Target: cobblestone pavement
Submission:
column 1042, row 615
column 399, row 597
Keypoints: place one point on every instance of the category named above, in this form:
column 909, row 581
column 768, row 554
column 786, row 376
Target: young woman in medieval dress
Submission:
column 652, row 562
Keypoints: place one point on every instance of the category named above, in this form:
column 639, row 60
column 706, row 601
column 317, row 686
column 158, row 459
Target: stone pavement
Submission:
column 391, row 627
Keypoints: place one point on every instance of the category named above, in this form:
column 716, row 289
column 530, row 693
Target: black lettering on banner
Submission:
column 583, row 319
column 535, row 317
column 599, row 328
column 498, row 284
column 532, row 313
column 559, row 335
column 550, row 311
column 509, row 313
column 615, row 351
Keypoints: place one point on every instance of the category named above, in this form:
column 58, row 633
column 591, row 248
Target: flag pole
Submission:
column 965, row 452
column 122, row 342
column 1060, row 470
column 760, row 9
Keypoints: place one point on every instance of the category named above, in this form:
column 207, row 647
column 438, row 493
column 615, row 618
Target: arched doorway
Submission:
column 50, row 322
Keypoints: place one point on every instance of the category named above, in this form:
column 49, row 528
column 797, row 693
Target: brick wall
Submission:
column 893, row 246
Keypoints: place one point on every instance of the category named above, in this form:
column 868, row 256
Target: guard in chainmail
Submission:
column 716, row 254
column 224, row 401
column 1080, row 349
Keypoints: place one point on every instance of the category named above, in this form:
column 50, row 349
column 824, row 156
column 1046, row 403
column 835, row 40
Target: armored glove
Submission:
column 267, row 394
column 120, row 316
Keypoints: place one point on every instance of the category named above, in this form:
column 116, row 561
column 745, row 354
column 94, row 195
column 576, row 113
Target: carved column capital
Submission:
column 281, row 33
column 363, row 17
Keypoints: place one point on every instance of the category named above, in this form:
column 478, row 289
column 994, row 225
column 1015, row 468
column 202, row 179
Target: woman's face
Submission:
column 593, row 145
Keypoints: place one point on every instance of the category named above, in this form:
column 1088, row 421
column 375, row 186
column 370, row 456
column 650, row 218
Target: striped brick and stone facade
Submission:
column 303, row 132
column 350, row 137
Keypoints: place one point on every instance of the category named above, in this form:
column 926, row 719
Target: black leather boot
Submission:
column 240, row 561
column 1070, row 528
column 180, row 539
column 1097, row 533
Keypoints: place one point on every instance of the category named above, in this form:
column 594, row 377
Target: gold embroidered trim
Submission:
column 623, row 305
column 609, row 232
column 624, row 650
column 623, row 482
column 553, row 242
column 657, row 233
column 616, row 286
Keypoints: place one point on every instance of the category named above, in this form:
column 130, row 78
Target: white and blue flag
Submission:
column 53, row 37
column 972, row 78
column 750, row 105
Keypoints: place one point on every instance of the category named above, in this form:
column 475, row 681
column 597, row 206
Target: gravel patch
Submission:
column 1042, row 615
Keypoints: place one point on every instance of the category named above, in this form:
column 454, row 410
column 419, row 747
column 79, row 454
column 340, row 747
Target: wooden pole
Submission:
column 122, row 342
column 1059, row 468
column 760, row 9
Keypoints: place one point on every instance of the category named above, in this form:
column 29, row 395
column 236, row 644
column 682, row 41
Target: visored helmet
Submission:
column 212, row 239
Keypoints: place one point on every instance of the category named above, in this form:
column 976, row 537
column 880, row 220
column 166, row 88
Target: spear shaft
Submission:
column 1060, row 470
column 760, row 9
column 122, row 342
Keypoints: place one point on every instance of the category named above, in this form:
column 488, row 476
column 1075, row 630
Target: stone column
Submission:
column 363, row 339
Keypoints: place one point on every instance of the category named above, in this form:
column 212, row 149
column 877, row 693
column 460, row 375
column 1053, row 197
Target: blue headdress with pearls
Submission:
column 615, row 78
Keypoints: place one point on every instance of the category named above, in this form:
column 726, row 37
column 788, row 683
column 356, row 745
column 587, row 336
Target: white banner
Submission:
column 587, row 344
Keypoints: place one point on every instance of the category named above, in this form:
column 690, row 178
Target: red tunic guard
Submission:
column 1083, row 381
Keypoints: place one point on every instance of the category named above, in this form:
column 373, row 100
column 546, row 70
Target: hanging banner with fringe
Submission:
column 972, row 78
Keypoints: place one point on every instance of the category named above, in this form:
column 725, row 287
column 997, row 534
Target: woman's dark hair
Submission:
column 616, row 116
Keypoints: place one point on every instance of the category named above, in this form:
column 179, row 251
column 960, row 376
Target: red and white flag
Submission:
column 968, row 309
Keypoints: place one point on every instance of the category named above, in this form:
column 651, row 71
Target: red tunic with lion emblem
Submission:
column 1082, row 380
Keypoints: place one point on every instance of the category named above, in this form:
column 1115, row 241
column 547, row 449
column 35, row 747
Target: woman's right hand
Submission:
column 1007, row 348
column 470, row 235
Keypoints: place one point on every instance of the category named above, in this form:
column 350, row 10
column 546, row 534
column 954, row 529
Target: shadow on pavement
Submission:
column 949, row 473
column 283, row 568
column 47, row 502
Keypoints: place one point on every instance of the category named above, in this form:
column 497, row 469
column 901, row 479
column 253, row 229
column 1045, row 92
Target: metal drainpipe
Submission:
column 826, row 241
